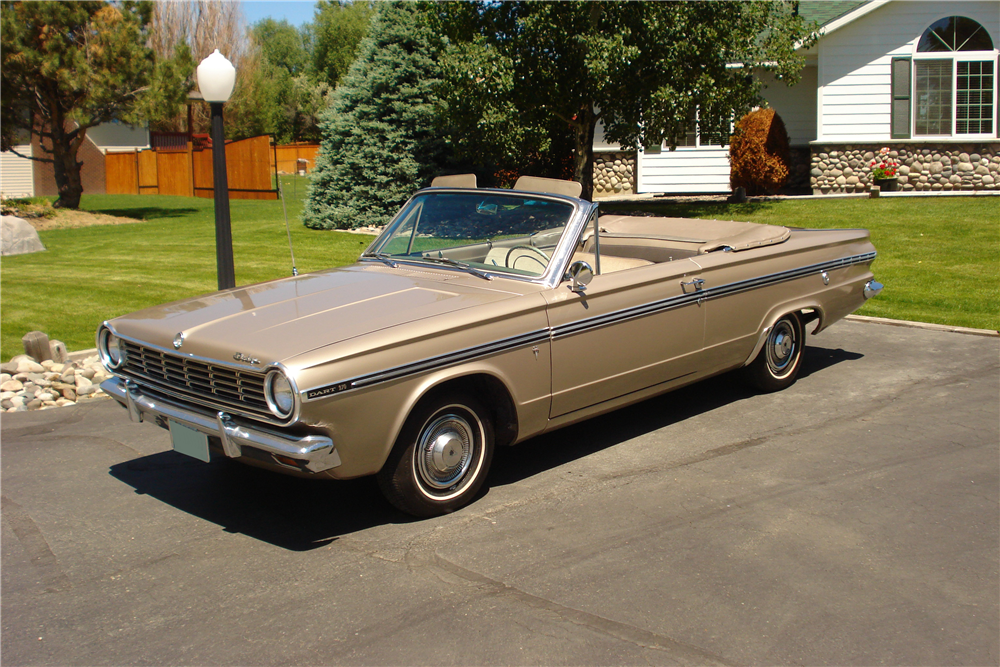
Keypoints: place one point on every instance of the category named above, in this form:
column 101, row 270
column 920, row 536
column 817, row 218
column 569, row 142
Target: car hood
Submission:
column 277, row 320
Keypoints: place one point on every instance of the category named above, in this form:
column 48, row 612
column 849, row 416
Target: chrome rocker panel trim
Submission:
column 317, row 452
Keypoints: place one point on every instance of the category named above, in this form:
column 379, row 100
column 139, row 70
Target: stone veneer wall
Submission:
column 839, row 168
column 614, row 173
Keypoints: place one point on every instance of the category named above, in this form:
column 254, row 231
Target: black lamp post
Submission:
column 216, row 78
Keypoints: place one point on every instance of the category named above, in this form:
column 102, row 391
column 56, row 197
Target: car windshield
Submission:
column 477, row 232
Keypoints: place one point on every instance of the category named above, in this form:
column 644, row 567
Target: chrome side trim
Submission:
column 316, row 451
column 705, row 294
column 573, row 328
column 434, row 363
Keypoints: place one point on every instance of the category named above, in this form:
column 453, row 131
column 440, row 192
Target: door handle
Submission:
column 698, row 284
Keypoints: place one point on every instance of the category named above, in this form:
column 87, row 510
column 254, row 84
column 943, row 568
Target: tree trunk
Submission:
column 583, row 150
column 68, row 180
column 65, row 146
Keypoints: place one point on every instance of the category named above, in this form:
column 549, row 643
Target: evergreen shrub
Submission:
column 758, row 153
column 381, row 141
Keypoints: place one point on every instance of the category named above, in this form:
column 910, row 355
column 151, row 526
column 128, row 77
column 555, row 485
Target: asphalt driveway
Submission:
column 851, row 519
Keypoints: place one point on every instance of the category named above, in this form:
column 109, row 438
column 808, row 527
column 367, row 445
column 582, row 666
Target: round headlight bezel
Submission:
column 279, row 390
column 111, row 350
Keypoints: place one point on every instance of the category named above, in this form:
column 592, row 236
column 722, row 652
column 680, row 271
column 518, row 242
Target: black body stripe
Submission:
column 542, row 335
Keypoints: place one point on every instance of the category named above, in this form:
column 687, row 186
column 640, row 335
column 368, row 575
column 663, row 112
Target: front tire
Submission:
column 441, row 458
column 778, row 362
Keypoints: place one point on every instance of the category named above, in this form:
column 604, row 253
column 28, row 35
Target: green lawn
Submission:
column 90, row 274
column 939, row 258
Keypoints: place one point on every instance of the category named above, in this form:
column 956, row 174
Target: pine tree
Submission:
column 380, row 142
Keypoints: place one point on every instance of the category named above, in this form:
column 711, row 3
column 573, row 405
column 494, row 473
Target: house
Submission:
column 21, row 177
column 919, row 78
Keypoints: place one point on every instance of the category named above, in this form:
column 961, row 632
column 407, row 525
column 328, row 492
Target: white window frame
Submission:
column 955, row 57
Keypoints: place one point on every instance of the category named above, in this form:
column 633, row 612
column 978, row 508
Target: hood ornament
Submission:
column 178, row 340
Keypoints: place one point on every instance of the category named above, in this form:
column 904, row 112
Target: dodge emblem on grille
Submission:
column 178, row 340
column 239, row 356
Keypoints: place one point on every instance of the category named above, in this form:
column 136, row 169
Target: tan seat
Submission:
column 610, row 263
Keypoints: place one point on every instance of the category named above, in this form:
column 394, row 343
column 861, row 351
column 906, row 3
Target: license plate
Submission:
column 189, row 441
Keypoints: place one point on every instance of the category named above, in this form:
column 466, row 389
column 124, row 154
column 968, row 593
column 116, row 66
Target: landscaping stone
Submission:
column 29, row 385
column 18, row 237
column 973, row 166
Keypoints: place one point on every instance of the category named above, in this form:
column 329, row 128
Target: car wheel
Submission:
column 441, row 458
column 778, row 362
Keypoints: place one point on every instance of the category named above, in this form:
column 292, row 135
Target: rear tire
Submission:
column 441, row 458
column 779, row 360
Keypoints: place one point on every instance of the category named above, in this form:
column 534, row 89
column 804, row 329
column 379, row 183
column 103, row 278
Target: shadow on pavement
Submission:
column 302, row 514
column 288, row 512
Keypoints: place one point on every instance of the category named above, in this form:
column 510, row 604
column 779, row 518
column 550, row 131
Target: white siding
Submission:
column 16, row 178
column 854, row 61
column 600, row 143
column 685, row 170
column 796, row 104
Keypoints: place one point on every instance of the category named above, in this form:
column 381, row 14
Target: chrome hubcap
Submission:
column 782, row 348
column 445, row 451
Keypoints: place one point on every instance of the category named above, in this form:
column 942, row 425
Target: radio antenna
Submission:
column 284, row 208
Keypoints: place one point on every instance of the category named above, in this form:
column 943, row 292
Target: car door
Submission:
column 629, row 330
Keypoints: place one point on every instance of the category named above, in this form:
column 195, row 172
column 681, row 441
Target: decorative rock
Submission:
column 18, row 237
column 34, row 404
column 9, row 368
column 88, row 373
column 57, row 349
column 12, row 385
column 88, row 390
column 27, row 366
column 82, row 381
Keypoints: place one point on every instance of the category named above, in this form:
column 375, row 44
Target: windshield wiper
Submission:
column 458, row 265
column 381, row 256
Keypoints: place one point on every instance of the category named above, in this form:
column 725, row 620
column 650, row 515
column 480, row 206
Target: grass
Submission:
column 939, row 258
column 90, row 274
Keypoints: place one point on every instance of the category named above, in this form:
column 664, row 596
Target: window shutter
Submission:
column 900, row 122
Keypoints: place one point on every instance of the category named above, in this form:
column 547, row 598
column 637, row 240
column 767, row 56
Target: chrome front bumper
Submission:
column 316, row 453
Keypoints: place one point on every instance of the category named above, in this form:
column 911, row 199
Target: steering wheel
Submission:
column 530, row 257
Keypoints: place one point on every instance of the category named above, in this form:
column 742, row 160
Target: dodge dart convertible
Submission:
column 478, row 318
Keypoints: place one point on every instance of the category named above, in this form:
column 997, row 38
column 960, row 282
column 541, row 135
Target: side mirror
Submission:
column 579, row 274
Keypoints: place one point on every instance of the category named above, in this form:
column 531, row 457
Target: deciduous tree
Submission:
column 337, row 31
column 68, row 66
column 640, row 68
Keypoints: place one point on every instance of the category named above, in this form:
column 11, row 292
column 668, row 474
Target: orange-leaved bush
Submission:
column 758, row 153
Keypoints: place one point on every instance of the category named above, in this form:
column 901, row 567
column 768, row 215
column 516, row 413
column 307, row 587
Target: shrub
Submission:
column 758, row 153
column 380, row 140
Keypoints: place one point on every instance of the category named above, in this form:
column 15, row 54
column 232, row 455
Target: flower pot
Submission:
column 886, row 184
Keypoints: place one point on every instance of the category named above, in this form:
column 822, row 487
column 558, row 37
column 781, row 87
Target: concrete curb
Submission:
column 81, row 354
column 924, row 325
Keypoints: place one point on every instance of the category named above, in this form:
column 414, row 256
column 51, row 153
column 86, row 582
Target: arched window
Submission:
column 954, row 82
column 955, row 33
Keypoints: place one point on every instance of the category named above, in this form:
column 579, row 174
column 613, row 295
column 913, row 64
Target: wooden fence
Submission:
column 187, row 171
column 286, row 158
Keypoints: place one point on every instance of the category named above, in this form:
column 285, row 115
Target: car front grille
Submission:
column 200, row 382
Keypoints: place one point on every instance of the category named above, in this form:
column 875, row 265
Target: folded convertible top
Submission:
column 708, row 235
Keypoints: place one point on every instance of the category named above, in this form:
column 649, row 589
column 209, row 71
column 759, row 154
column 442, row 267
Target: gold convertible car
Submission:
column 478, row 318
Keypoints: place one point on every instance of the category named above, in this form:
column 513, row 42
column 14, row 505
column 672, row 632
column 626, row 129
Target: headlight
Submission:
column 279, row 394
column 111, row 349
